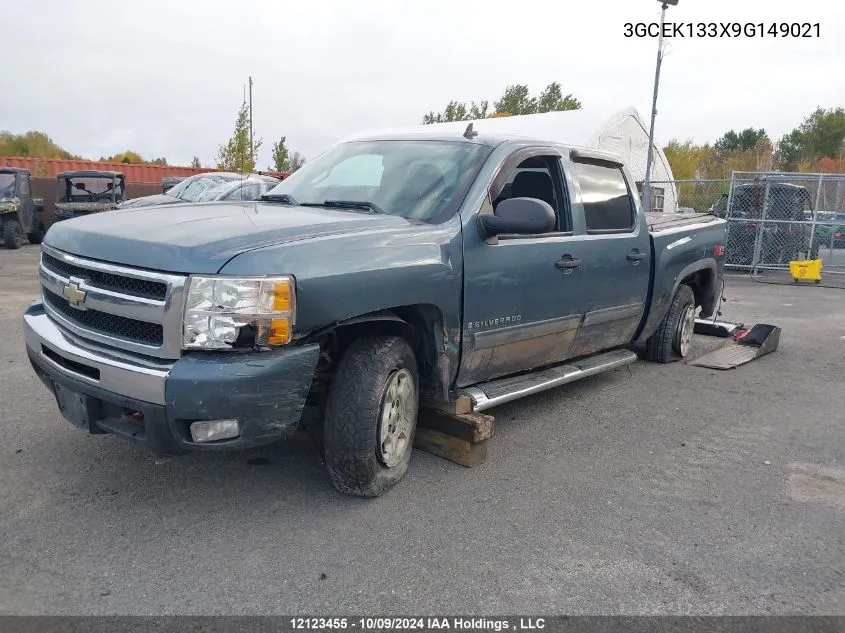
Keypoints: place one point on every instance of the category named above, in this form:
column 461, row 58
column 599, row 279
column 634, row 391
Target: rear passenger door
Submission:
column 617, row 257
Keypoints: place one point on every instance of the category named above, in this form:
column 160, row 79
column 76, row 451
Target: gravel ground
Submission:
column 663, row 489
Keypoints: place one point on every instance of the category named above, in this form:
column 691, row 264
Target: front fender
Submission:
column 344, row 277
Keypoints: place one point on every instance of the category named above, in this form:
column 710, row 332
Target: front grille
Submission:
column 107, row 281
column 132, row 309
column 104, row 323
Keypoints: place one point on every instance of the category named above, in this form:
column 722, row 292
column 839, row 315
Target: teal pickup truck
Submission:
column 393, row 271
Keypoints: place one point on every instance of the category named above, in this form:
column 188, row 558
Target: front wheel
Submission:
column 12, row 234
column 673, row 338
column 371, row 416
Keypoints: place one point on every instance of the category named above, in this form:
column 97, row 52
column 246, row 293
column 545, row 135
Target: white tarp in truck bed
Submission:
column 663, row 221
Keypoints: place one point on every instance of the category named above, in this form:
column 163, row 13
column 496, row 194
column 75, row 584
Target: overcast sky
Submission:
column 165, row 78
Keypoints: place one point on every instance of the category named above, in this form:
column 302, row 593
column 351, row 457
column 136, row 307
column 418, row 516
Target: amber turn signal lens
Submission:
column 281, row 297
column 279, row 332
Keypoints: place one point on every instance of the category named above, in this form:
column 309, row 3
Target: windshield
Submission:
column 192, row 189
column 423, row 180
column 7, row 185
column 86, row 189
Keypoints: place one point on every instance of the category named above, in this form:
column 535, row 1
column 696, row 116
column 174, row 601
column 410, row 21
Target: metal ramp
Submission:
column 490, row 394
column 749, row 344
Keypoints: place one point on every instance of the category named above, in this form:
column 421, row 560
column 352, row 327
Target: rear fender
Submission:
column 702, row 275
column 703, row 285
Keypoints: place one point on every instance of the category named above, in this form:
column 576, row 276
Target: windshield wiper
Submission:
column 347, row 204
column 279, row 197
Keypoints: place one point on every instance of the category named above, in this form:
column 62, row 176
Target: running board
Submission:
column 490, row 394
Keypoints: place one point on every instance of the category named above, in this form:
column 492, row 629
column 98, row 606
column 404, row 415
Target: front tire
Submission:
column 12, row 234
column 371, row 416
column 673, row 338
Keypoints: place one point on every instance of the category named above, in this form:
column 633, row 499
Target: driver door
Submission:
column 523, row 294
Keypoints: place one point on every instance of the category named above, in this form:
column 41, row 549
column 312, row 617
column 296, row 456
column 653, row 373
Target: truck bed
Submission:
column 658, row 222
column 684, row 244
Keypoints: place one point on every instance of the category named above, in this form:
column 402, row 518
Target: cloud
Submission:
column 166, row 78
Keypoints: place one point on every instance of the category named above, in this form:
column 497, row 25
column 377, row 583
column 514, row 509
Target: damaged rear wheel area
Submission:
column 673, row 338
column 371, row 415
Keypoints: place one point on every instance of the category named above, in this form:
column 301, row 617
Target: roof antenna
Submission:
column 470, row 133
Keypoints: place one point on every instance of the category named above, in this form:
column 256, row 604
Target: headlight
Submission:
column 227, row 312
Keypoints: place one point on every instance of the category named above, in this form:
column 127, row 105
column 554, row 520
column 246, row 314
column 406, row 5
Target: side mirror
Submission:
column 519, row 215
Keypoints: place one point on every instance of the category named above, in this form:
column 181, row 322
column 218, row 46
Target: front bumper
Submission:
column 154, row 402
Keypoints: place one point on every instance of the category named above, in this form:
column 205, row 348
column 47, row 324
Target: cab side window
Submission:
column 608, row 206
column 538, row 177
column 24, row 185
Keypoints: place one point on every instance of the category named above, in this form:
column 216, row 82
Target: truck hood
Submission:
column 201, row 238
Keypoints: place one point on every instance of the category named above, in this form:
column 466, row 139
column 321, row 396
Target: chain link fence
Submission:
column 692, row 196
column 773, row 218
column 776, row 218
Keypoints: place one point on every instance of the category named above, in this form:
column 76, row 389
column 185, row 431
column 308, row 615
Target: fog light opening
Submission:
column 130, row 415
column 213, row 430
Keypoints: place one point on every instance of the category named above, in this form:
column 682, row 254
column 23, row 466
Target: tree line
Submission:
column 817, row 145
column 233, row 155
column 40, row 145
column 515, row 100
column 239, row 152
column 32, row 143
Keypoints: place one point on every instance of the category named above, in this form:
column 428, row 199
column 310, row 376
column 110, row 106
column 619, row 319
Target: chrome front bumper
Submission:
column 95, row 366
column 154, row 401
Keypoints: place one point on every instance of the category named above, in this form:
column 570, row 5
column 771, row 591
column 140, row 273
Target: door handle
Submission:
column 636, row 256
column 567, row 263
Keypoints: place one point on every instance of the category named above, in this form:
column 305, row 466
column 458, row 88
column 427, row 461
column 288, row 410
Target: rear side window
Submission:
column 607, row 201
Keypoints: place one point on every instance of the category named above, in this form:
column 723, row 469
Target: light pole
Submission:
column 251, row 146
column 650, row 155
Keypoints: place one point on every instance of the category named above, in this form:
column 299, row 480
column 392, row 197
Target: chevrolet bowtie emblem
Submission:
column 74, row 295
